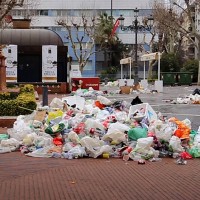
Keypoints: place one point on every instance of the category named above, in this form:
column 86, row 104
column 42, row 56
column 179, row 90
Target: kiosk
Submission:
column 153, row 56
column 124, row 82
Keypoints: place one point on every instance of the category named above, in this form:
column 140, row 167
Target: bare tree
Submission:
column 6, row 6
column 82, row 36
column 175, row 22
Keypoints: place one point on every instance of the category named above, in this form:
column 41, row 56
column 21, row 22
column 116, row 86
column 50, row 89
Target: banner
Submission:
column 10, row 52
column 49, row 63
column 116, row 25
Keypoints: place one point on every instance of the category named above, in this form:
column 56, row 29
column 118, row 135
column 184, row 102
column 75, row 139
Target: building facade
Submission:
column 45, row 13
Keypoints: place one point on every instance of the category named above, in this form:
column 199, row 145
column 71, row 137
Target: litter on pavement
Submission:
column 77, row 127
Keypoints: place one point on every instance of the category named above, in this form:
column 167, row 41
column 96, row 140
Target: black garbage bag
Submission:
column 196, row 91
column 136, row 101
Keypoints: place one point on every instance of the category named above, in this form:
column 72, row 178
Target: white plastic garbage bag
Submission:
column 175, row 144
column 41, row 152
column 162, row 131
column 121, row 116
column 71, row 100
column 5, row 149
column 92, row 123
column 56, row 103
column 28, row 139
column 144, row 143
column 12, row 143
column 119, row 126
column 77, row 151
column 43, row 141
column 94, row 146
column 91, row 143
column 104, row 100
column 68, row 146
column 187, row 122
column 73, row 137
column 114, row 136
column 102, row 115
column 101, row 150
column 197, row 138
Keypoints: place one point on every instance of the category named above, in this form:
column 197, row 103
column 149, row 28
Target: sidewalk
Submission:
column 23, row 178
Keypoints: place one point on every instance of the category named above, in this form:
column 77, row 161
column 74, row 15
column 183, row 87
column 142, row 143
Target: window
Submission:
column 43, row 12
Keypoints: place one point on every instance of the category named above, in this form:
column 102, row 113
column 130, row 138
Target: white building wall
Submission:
column 94, row 4
column 50, row 21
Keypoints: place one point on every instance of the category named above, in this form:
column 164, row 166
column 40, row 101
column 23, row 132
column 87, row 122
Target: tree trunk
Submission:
column 198, row 80
column 150, row 70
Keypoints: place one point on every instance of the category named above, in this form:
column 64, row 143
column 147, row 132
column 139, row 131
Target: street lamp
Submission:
column 135, row 26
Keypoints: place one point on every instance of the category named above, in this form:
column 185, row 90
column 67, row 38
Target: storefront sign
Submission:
column 10, row 52
column 49, row 63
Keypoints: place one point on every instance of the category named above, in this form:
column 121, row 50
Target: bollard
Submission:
column 44, row 96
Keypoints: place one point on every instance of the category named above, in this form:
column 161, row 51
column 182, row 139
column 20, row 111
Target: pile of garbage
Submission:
column 75, row 127
column 193, row 98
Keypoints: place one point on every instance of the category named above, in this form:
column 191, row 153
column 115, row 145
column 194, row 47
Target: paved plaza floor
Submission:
column 27, row 178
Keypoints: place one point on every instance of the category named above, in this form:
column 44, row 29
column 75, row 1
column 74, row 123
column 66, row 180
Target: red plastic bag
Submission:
column 58, row 141
column 79, row 128
column 185, row 155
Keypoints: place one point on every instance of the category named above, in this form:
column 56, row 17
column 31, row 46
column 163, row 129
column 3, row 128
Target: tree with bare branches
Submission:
column 81, row 35
column 175, row 22
column 6, row 6
column 85, row 33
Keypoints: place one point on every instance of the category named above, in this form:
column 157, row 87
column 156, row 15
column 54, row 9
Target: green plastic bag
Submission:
column 52, row 130
column 194, row 152
column 4, row 136
column 136, row 133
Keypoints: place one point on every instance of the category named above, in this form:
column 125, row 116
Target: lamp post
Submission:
column 135, row 27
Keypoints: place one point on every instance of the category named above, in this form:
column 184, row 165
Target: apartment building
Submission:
column 44, row 14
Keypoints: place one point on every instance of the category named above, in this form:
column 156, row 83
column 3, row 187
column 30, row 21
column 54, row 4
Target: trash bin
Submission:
column 169, row 78
column 185, row 78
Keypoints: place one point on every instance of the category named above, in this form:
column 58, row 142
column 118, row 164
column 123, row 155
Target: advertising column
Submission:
column 10, row 52
column 49, row 63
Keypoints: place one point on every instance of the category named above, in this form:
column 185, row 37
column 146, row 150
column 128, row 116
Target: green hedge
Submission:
column 21, row 104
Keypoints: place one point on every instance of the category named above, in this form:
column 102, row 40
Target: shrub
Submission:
column 13, row 104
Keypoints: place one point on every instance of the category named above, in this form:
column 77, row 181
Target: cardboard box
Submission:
column 125, row 89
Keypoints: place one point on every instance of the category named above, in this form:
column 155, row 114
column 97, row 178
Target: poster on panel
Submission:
column 49, row 63
column 10, row 52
